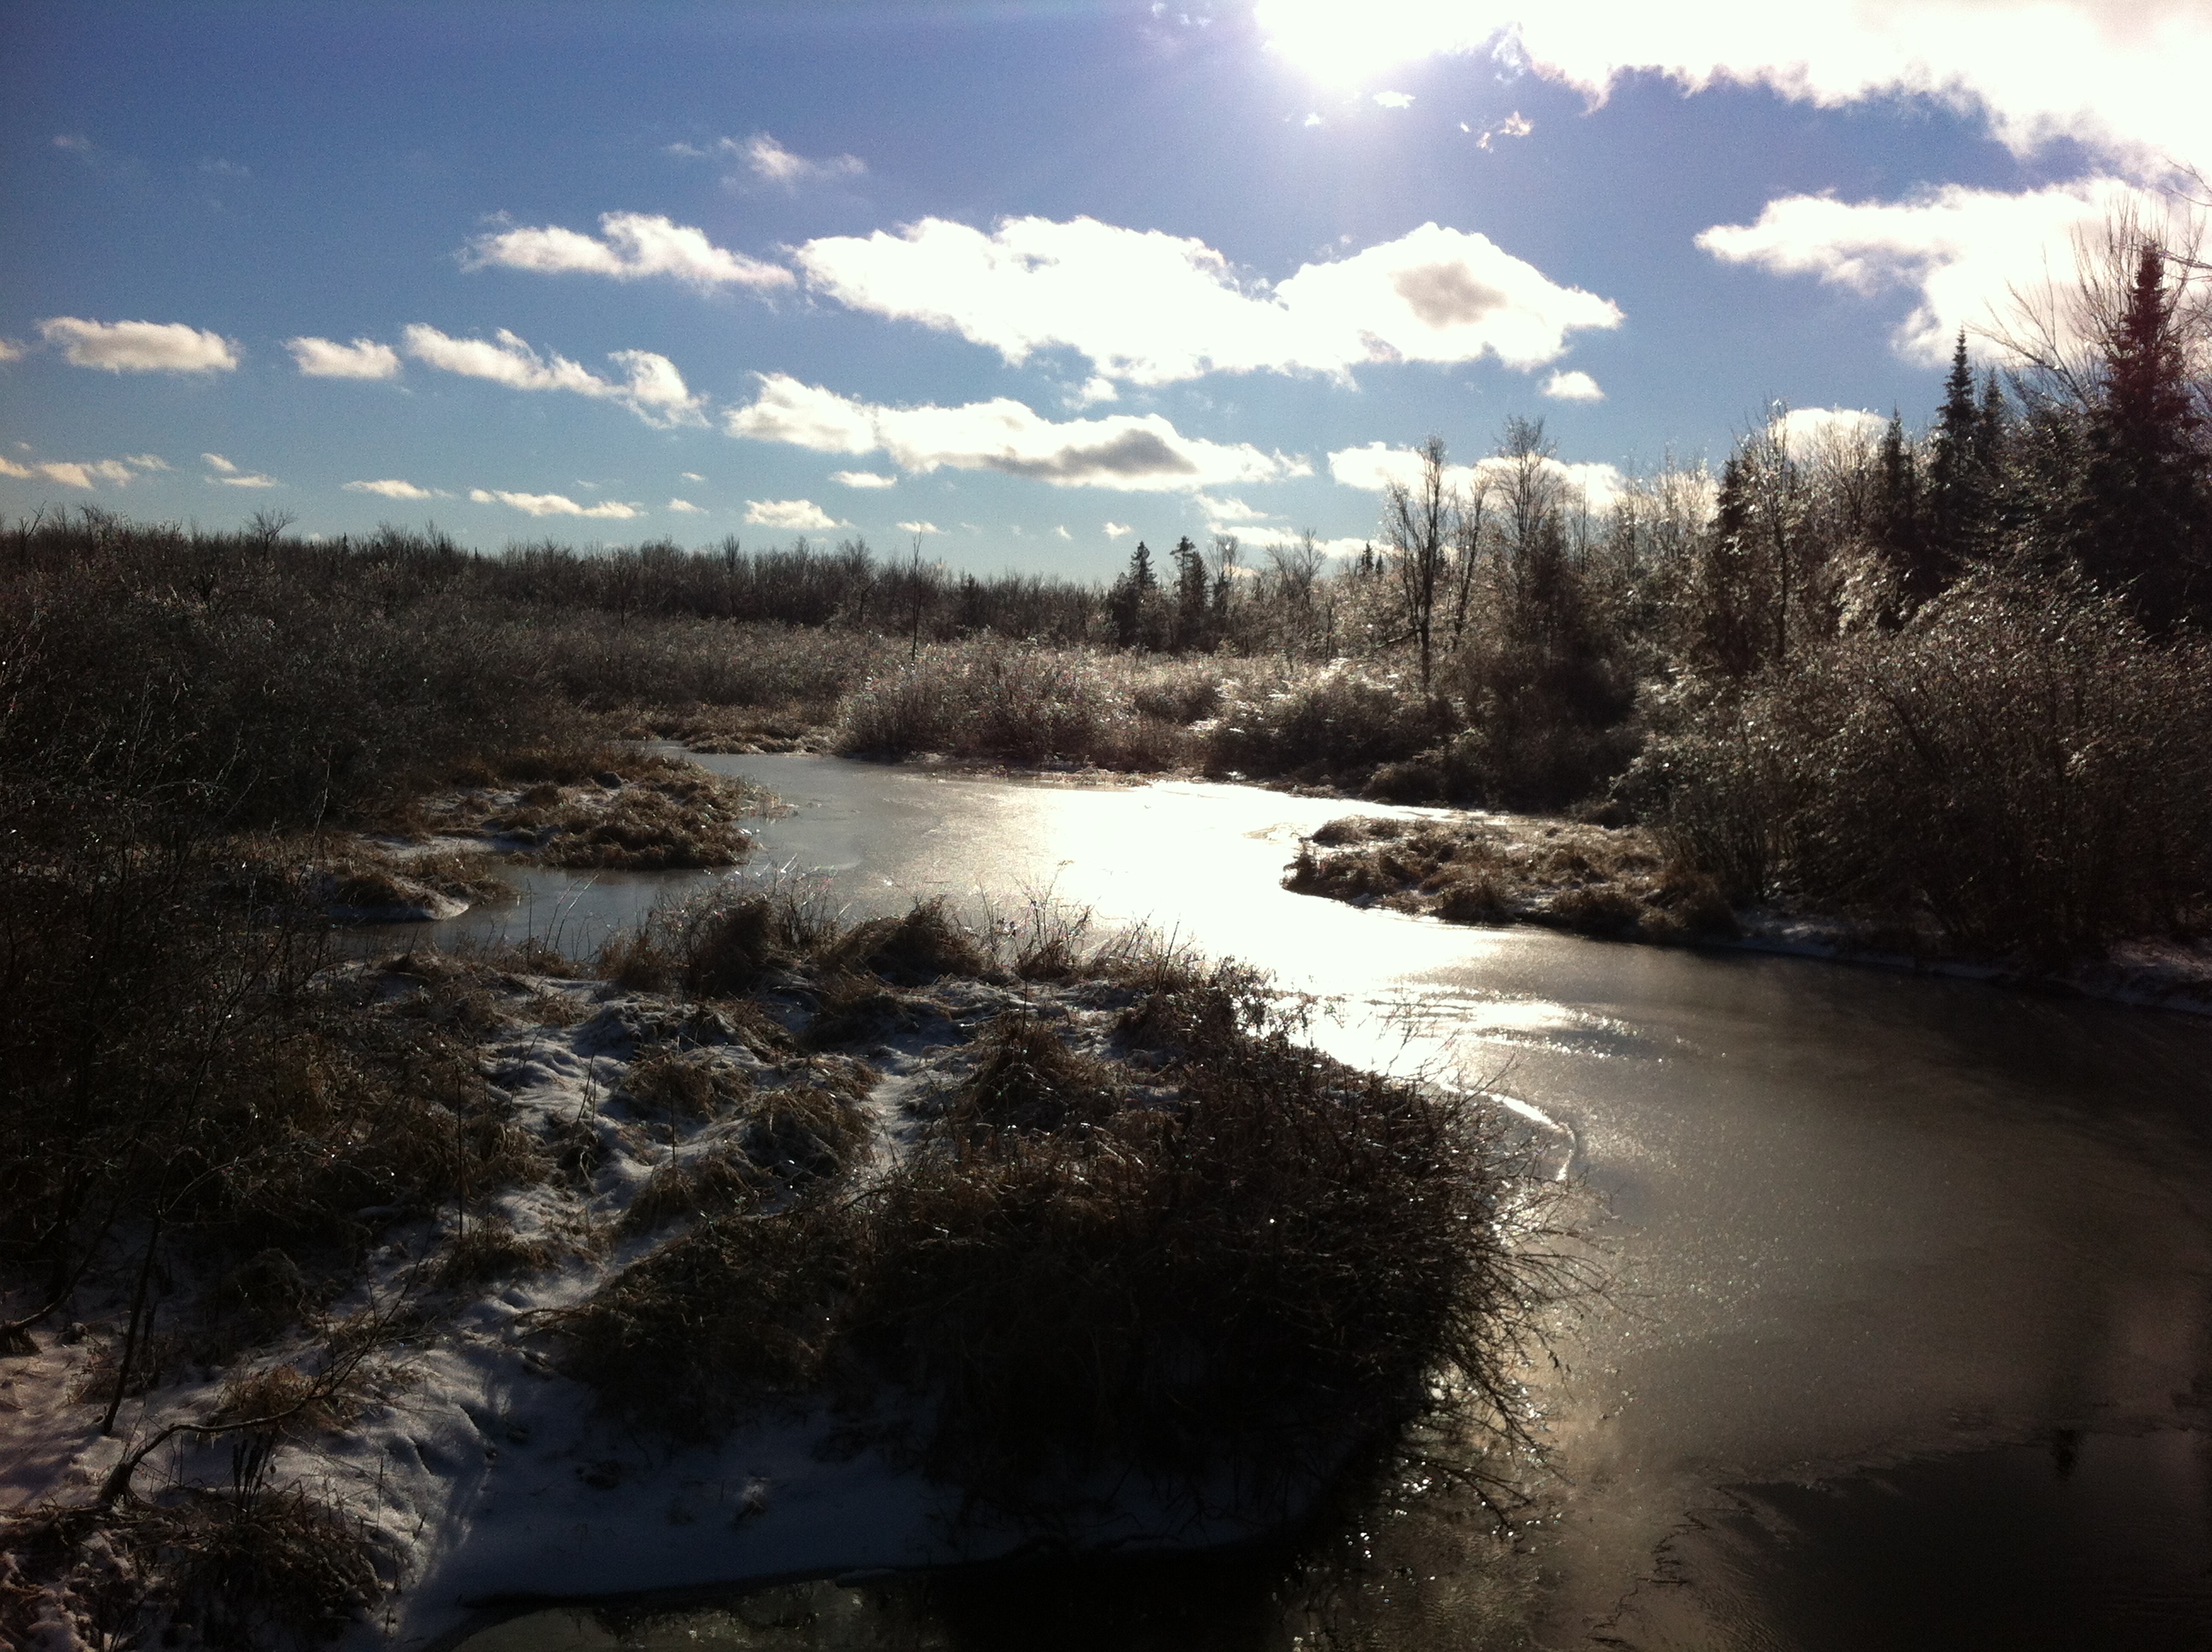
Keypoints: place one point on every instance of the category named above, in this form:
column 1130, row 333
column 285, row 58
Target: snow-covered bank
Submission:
column 1622, row 883
column 466, row 1430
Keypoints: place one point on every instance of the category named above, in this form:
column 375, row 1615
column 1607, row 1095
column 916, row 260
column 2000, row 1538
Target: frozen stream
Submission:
column 1941, row 1249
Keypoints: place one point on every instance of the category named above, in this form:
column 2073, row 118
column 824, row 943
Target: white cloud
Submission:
column 1149, row 308
column 770, row 160
column 1061, row 532
column 1394, row 99
column 74, row 473
column 920, row 527
column 10, row 350
column 73, row 143
column 1576, row 387
column 554, row 505
column 324, row 358
column 691, row 475
column 1960, row 250
column 654, row 390
column 787, row 514
column 635, row 244
column 1375, row 465
column 1117, row 530
column 1807, row 432
column 139, row 346
column 1516, row 124
column 1313, row 118
column 864, row 479
column 1219, row 511
column 2126, row 76
column 685, row 508
column 1127, row 452
column 232, row 476
column 147, row 461
column 394, row 487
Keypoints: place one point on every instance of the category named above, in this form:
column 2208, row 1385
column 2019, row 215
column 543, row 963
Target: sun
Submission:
column 1346, row 43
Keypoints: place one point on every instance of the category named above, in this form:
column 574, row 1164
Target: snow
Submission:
column 487, row 1474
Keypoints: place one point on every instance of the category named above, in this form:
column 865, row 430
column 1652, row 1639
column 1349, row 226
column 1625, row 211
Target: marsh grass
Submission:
column 1232, row 1258
column 1612, row 883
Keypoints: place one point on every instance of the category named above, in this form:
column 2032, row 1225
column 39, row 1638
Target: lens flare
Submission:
column 1344, row 45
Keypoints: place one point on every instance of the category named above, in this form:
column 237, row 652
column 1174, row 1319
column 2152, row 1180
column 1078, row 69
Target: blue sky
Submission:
column 1032, row 280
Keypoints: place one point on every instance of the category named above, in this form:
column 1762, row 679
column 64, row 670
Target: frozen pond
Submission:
column 1940, row 1249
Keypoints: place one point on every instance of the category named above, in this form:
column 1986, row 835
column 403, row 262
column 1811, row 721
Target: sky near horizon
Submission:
column 1026, row 281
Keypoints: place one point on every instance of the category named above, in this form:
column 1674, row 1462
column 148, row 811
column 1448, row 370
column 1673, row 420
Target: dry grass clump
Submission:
column 1617, row 882
column 1261, row 1265
column 1027, row 1078
column 693, row 1084
column 487, row 1250
column 736, row 1312
column 293, row 1402
column 237, row 1570
column 1336, row 726
column 1257, row 1275
column 718, row 1180
column 927, row 942
column 1015, row 702
column 651, row 815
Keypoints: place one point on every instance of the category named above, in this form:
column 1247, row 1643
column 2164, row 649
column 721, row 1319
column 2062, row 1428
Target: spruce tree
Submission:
column 2142, row 513
column 1955, row 479
column 1900, row 531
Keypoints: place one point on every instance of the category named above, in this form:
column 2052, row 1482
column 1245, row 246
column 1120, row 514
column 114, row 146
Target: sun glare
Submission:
column 1345, row 45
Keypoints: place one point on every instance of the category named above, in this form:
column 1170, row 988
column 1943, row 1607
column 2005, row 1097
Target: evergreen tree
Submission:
column 1190, row 597
column 1900, row 532
column 1957, row 495
column 1130, row 593
column 2142, row 515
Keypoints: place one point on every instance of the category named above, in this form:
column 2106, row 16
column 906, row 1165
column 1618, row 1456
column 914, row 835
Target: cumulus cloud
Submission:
column 1376, row 465
column 70, row 473
column 1394, row 99
column 1149, row 308
column 1222, row 510
column 10, row 350
column 1808, row 432
column 1962, row 252
column 787, row 514
column 771, row 162
column 610, row 510
column 920, row 527
column 1576, row 387
column 394, row 487
column 631, row 246
column 1140, row 454
column 685, row 508
column 1516, row 124
column 233, row 476
column 863, row 478
column 139, row 346
column 2124, row 76
column 324, row 358
column 1116, row 529
column 1061, row 532
column 654, row 390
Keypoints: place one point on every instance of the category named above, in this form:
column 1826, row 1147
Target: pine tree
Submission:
column 1190, row 595
column 1956, row 493
column 1898, row 523
column 1131, row 592
column 2142, row 515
